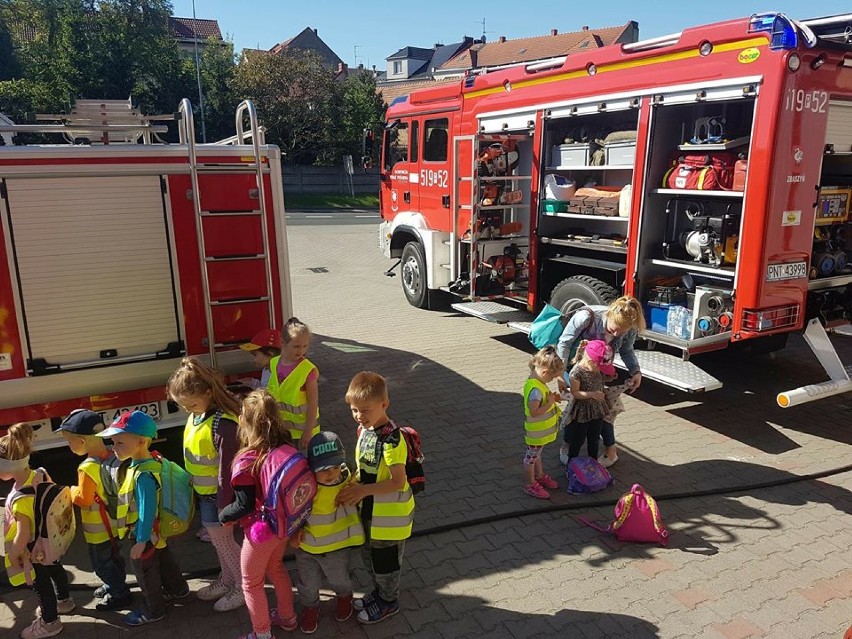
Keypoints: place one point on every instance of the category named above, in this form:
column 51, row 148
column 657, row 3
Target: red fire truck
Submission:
column 708, row 173
column 121, row 254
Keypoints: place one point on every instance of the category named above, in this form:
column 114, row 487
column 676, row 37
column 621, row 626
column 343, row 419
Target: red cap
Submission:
column 599, row 352
column 267, row 338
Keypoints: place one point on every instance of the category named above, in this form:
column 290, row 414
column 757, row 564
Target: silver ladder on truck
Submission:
column 187, row 136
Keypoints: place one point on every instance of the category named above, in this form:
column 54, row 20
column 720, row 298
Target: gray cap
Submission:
column 325, row 450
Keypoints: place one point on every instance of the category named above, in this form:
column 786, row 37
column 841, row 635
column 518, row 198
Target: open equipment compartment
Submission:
column 691, row 215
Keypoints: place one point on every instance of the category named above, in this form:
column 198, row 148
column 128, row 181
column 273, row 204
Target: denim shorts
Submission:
column 209, row 512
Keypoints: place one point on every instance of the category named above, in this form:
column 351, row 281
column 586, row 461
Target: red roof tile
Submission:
column 190, row 29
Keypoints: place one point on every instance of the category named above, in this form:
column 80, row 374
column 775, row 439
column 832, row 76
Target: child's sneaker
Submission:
column 214, row 591
column 310, row 619
column 139, row 618
column 40, row 628
column 64, row 606
column 170, row 596
column 231, row 601
column 359, row 603
column 378, row 611
column 291, row 623
column 109, row 602
column 101, row 592
column 548, row 482
column 344, row 608
column 606, row 462
column 536, row 490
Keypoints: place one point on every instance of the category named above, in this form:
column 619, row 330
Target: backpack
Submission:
column 289, row 488
column 547, row 327
column 55, row 525
column 706, row 172
column 414, row 472
column 637, row 518
column 113, row 472
column 177, row 502
column 586, row 475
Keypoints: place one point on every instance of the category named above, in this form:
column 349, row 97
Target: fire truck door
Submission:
column 398, row 183
column 433, row 175
column 94, row 270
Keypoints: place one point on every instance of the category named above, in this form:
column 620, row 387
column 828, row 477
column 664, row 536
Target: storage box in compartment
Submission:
column 554, row 206
column 603, row 206
column 668, row 319
column 572, row 154
column 620, row 153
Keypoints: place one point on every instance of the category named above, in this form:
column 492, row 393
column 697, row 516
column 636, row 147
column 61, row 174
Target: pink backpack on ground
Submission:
column 637, row 518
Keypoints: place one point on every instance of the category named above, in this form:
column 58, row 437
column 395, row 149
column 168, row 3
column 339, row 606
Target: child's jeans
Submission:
column 383, row 560
column 257, row 562
column 108, row 565
column 51, row 583
column 334, row 566
column 579, row 432
column 608, row 434
column 156, row 573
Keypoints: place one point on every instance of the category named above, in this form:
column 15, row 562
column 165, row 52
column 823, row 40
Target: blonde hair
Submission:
column 292, row 329
column 260, row 427
column 581, row 352
column 547, row 359
column 17, row 443
column 626, row 313
column 367, row 386
column 193, row 378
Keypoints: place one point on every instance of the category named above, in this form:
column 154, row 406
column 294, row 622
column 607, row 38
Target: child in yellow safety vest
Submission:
column 293, row 383
column 541, row 419
column 97, row 478
column 263, row 347
column 157, row 572
column 326, row 543
column 49, row 580
column 209, row 447
column 387, row 503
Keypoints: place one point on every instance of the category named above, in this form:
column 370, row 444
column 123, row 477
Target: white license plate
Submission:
column 789, row 271
column 151, row 408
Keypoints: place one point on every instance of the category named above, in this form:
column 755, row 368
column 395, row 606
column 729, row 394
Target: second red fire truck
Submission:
column 708, row 173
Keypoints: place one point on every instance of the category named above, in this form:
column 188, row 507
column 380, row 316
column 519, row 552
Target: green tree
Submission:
column 217, row 81
column 299, row 102
column 363, row 108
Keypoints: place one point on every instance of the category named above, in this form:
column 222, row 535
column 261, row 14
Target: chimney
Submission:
column 502, row 39
column 315, row 32
column 585, row 27
column 554, row 32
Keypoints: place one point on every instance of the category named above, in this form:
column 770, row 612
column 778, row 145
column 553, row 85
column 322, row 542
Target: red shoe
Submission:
column 548, row 482
column 344, row 608
column 309, row 620
column 536, row 490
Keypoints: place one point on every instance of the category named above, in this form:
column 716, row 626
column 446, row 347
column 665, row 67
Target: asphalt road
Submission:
column 331, row 217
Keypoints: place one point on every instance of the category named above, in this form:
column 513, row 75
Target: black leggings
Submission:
column 579, row 432
column 51, row 583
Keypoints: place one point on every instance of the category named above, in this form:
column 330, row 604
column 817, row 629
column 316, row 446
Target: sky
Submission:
column 368, row 31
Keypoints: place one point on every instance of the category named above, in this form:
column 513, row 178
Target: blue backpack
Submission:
column 547, row 328
column 586, row 475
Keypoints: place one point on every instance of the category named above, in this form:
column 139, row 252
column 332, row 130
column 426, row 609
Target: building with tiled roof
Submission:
column 309, row 40
column 191, row 31
column 504, row 52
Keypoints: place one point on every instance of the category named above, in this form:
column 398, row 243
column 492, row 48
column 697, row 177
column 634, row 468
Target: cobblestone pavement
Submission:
column 769, row 562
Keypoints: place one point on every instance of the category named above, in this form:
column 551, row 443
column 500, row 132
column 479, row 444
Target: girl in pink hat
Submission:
column 587, row 387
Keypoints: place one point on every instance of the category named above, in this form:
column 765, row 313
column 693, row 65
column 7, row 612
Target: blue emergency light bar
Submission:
column 783, row 31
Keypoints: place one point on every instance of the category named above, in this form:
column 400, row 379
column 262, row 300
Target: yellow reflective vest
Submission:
column 331, row 527
column 21, row 505
column 200, row 455
column 393, row 513
column 127, row 512
column 541, row 429
column 94, row 530
column 292, row 400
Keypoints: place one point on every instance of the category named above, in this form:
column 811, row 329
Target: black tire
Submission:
column 413, row 275
column 581, row 290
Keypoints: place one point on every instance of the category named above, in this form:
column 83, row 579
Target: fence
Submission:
column 329, row 180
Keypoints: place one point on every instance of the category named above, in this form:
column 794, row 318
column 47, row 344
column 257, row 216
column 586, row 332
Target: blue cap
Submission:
column 135, row 423
column 82, row 422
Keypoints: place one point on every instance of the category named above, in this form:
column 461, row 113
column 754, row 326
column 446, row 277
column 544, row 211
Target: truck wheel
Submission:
column 414, row 275
column 581, row 290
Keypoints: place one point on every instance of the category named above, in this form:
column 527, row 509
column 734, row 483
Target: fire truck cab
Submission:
column 120, row 254
column 708, row 173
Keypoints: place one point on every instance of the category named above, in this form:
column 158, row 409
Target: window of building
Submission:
column 397, row 67
column 436, row 136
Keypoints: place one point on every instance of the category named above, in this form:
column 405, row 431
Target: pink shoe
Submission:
column 536, row 490
column 548, row 482
column 286, row 624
